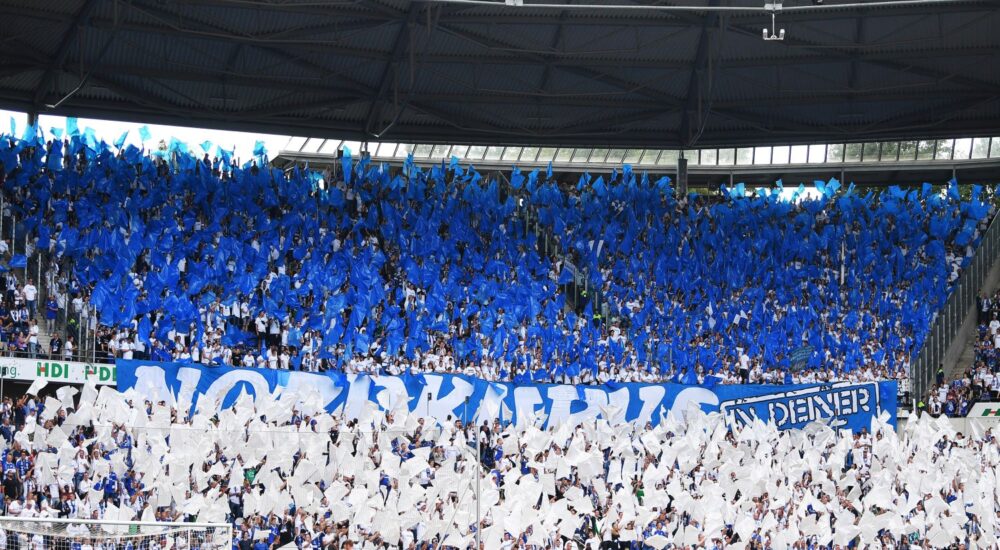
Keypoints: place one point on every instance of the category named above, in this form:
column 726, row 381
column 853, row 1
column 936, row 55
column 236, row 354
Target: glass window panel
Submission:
column 907, row 150
column 329, row 147
column 295, row 144
column 800, row 154
column 385, row 149
column 692, row 157
column 995, row 147
column 709, row 157
column 852, row 152
column 565, row 154
column 779, row 155
column 870, row 152
column 980, row 148
column 546, row 154
column 512, row 153
column 963, row 148
column 925, row 150
column 650, row 156
column 835, row 152
column 598, row 155
column 615, row 156
column 817, row 153
column 493, row 152
column 744, row 155
column 404, row 150
column 889, row 150
column 353, row 146
column 423, row 150
column 476, row 152
column 762, row 155
column 528, row 154
column 727, row 157
column 312, row 145
column 441, row 151
column 459, row 151
column 944, row 149
column 668, row 158
column 581, row 155
column 633, row 156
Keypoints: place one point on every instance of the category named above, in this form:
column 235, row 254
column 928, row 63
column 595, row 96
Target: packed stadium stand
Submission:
column 438, row 271
column 176, row 258
column 531, row 276
column 294, row 474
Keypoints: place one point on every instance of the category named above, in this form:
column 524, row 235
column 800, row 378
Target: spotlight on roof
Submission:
column 776, row 33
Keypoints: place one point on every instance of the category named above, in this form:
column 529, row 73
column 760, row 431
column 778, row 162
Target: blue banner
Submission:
column 845, row 405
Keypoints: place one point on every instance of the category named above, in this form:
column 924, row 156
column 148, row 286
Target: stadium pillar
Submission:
column 479, row 492
column 32, row 117
column 682, row 177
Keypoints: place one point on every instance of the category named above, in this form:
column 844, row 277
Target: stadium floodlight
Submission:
column 773, row 7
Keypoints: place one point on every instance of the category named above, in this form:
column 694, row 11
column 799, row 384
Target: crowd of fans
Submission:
column 168, row 257
column 981, row 381
column 286, row 472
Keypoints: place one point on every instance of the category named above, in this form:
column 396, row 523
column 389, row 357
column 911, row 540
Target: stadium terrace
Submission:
column 166, row 256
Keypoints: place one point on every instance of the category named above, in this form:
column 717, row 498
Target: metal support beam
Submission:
column 859, row 37
column 395, row 57
column 557, row 38
column 62, row 51
column 694, row 98
column 625, row 86
column 847, row 55
column 292, row 58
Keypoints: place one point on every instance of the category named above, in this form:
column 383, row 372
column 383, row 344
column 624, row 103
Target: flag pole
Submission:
column 479, row 494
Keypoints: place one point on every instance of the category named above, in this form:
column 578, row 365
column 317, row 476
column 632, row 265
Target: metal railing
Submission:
column 948, row 321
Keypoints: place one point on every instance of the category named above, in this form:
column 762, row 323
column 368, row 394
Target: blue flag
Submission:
column 72, row 128
column 373, row 390
column 345, row 163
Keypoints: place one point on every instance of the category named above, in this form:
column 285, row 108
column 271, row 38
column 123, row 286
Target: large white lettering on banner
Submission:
column 71, row 372
column 844, row 405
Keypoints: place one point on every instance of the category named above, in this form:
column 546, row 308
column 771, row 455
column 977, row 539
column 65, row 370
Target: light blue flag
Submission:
column 120, row 142
column 345, row 163
column 144, row 134
column 90, row 139
column 56, row 132
column 206, row 146
column 13, row 126
column 30, row 133
column 227, row 156
column 72, row 128
column 258, row 149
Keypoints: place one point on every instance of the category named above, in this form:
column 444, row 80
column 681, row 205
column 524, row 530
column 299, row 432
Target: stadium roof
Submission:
column 434, row 72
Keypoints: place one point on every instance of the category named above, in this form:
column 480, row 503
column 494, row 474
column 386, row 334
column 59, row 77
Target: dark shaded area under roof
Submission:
column 431, row 72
